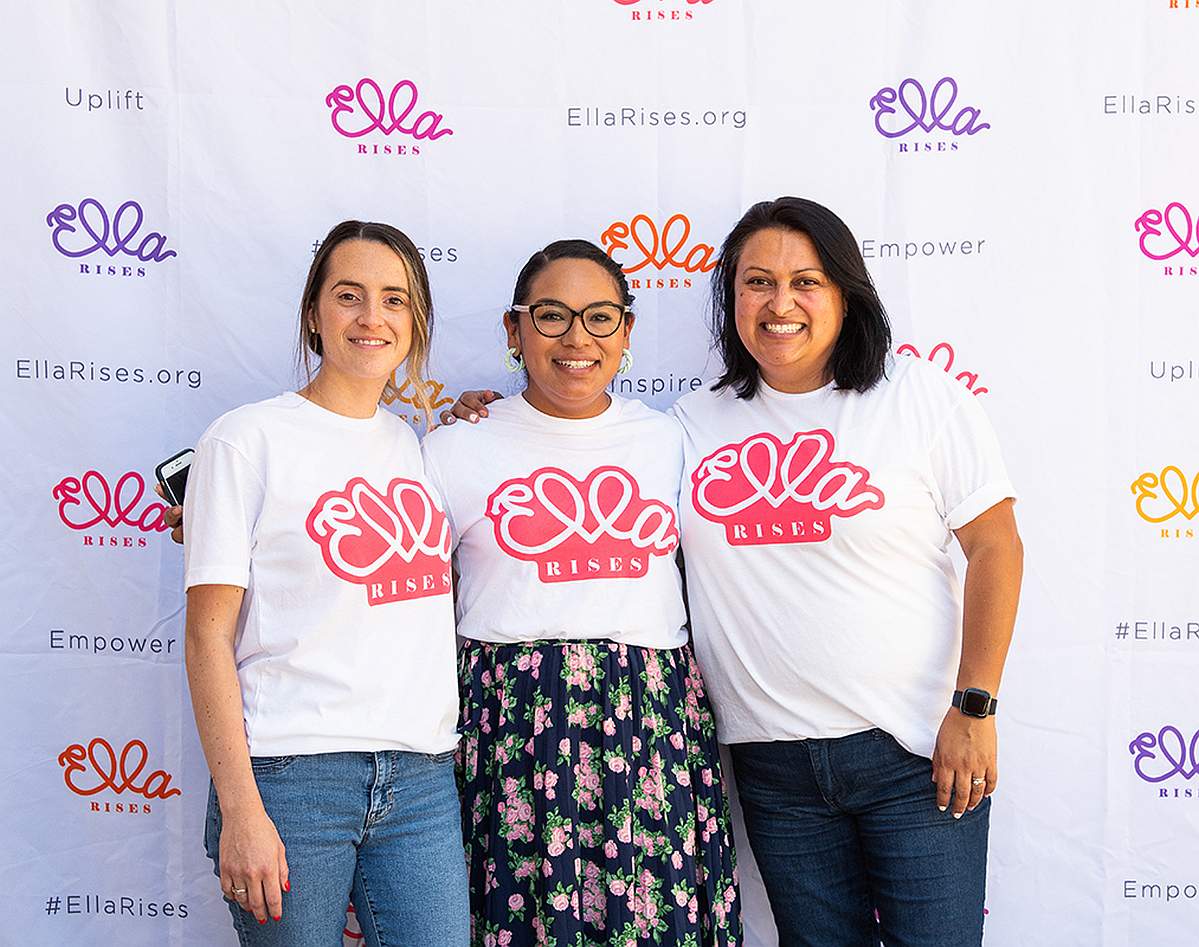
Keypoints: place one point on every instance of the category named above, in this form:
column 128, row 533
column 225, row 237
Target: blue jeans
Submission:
column 842, row 829
column 383, row 829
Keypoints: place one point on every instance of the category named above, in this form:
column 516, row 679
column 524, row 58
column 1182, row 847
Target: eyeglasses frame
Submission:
column 574, row 314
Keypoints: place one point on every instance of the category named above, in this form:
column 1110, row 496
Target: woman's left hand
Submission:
column 965, row 761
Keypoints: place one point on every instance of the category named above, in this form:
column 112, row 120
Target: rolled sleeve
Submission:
column 968, row 465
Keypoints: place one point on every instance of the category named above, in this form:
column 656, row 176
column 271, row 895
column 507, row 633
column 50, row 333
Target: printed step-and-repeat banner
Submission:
column 1018, row 176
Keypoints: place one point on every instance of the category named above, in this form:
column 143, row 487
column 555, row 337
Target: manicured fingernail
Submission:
column 287, row 886
column 262, row 920
column 957, row 815
column 942, row 808
column 278, row 917
column 473, row 418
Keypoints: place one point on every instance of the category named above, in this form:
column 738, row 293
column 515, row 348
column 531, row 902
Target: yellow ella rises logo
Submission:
column 1168, row 497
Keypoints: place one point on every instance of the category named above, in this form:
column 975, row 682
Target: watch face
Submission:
column 975, row 702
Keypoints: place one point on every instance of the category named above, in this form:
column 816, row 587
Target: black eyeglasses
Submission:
column 553, row 319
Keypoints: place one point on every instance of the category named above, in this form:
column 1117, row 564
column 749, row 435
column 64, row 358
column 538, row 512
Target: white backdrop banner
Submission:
column 1017, row 175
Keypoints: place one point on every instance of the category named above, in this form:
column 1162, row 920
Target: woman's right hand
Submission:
column 254, row 865
column 172, row 516
column 470, row 406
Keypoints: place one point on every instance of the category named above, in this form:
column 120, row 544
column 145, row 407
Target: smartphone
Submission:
column 172, row 474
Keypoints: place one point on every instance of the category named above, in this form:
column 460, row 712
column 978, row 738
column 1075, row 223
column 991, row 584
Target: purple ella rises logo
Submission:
column 1170, row 234
column 925, row 119
column 363, row 109
column 1162, row 756
column 85, row 230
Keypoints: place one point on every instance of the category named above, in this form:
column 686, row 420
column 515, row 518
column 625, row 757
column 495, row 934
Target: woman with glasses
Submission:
column 593, row 804
column 855, row 680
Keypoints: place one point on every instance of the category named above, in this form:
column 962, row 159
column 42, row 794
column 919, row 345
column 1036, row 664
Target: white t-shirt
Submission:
column 345, row 640
column 566, row 529
column 816, row 533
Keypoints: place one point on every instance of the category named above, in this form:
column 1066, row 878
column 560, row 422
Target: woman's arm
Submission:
column 966, row 746
column 251, row 853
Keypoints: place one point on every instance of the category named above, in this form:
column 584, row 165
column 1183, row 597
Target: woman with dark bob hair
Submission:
column 824, row 481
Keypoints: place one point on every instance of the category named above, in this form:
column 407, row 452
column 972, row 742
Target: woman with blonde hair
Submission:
column 320, row 629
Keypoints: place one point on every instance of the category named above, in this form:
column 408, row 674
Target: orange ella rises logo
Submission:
column 662, row 258
column 97, row 770
column 409, row 409
column 1168, row 497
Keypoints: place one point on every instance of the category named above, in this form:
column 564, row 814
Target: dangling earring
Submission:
column 626, row 362
column 513, row 360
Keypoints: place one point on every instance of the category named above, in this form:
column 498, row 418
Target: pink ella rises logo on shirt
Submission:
column 396, row 543
column 597, row 528
column 766, row 492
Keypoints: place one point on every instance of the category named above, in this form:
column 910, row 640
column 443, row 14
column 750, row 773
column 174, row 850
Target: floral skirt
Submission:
column 592, row 801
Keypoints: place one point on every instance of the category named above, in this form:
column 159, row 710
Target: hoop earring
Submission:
column 626, row 362
column 513, row 360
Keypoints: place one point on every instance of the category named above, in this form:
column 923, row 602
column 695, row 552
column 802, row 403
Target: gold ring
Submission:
column 977, row 781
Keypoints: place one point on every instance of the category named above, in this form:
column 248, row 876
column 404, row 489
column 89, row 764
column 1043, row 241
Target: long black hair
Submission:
column 859, row 357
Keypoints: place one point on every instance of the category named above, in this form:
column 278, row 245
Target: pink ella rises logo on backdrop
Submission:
column 765, row 492
column 110, row 515
column 599, row 527
column 943, row 356
column 661, row 11
column 395, row 120
column 107, row 247
column 96, row 769
column 927, row 121
column 395, row 543
column 1170, row 237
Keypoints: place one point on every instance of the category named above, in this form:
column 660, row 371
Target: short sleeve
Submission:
column 224, row 498
column 968, row 465
column 437, row 484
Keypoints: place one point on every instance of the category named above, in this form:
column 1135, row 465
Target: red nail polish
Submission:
column 262, row 920
column 278, row 917
column 287, row 886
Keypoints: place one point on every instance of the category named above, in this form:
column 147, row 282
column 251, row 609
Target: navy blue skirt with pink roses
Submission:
column 593, row 807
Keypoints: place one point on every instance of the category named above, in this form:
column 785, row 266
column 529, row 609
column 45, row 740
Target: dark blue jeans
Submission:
column 842, row 829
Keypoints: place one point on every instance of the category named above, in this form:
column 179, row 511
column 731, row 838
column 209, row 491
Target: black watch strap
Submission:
column 975, row 702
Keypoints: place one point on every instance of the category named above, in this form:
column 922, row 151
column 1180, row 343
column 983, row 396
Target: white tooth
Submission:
column 783, row 329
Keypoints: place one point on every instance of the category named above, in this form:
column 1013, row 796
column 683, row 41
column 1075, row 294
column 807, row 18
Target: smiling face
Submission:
column 568, row 375
column 788, row 311
column 363, row 314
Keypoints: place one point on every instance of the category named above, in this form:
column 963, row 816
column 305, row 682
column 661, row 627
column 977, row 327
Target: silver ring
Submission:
column 977, row 781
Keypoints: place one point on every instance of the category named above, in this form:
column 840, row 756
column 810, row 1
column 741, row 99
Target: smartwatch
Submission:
column 975, row 702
